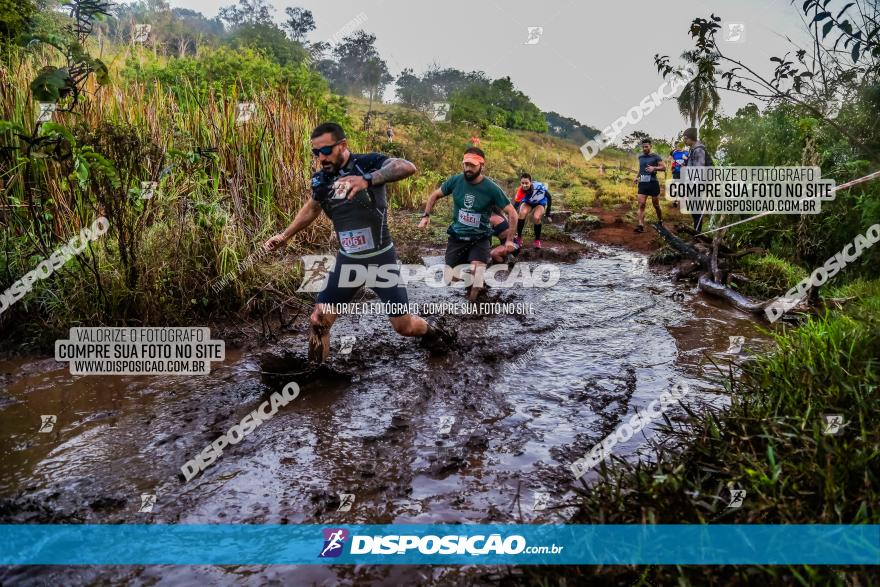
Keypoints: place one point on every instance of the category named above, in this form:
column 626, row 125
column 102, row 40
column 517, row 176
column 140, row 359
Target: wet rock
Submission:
column 398, row 423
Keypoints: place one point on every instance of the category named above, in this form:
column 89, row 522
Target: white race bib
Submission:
column 353, row 241
column 469, row 218
column 646, row 178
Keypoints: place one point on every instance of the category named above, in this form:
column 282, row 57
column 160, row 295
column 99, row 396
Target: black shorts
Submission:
column 649, row 188
column 499, row 229
column 459, row 252
column 333, row 293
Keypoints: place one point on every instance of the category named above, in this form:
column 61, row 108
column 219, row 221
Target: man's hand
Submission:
column 510, row 246
column 355, row 184
column 275, row 242
column 424, row 222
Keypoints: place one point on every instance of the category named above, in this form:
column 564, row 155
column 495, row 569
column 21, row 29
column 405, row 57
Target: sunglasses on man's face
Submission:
column 325, row 150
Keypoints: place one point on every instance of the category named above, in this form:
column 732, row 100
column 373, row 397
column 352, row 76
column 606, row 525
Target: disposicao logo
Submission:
column 334, row 538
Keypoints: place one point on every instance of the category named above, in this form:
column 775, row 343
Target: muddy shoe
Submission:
column 438, row 340
column 318, row 353
column 639, row 228
column 473, row 293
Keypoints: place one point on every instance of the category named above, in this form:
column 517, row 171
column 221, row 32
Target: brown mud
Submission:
column 469, row 437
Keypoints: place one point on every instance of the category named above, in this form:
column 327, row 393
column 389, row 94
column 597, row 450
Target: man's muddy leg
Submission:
column 499, row 253
column 409, row 325
column 656, row 201
column 320, row 321
column 641, row 212
column 478, row 270
column 537, row 216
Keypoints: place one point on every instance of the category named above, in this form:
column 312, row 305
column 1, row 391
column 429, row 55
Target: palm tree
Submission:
column 699, row 96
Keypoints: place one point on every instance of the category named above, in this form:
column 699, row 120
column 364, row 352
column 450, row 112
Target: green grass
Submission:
column 768, row 276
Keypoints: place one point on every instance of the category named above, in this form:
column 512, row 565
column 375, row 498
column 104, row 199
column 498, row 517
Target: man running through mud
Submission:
column 350, row 189
column 533, row 198
column 473, row 198
column 649, row 164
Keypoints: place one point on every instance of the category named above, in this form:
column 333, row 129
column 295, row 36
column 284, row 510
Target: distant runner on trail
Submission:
column 473, row 198
column 649, row 164
column 679, row 160
column 531, row 197
column 698, row 157
column 350, row 189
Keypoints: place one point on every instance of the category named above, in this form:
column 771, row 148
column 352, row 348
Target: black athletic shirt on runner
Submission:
column 361, row 224
column 645, row 160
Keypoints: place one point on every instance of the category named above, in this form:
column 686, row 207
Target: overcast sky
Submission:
column 593, row 61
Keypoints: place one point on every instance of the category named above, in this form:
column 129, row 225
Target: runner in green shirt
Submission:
column 474, row 196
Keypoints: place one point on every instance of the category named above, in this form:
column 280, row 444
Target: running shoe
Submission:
column 438, row 340
column 537, row 243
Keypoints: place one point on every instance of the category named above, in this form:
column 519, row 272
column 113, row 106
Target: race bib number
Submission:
column 646, row 178
column 353, row 241
column 469, row 218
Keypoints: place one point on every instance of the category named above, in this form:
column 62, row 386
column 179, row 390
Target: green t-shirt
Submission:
column 472, row 204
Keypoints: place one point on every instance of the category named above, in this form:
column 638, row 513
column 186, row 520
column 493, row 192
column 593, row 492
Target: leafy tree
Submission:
column 247, row 12
column 299, row 23
column 634, row 139
column 270, row 40
column 496, row 103
column 357, row 69
column 698, row 97
column 568, row 128
column 175, row 31
column 816, row 79
column 415, row 91
column 15, row 15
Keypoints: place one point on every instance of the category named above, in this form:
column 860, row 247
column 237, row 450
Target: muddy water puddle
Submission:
column 483, row 434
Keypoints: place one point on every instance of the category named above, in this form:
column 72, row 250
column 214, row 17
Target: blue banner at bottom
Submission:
column 439, row 544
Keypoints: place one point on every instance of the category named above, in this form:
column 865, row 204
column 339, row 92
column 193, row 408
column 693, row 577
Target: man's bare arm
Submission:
column 432, row 199
column 393, row 169
column 512, row 217
column 306, row 215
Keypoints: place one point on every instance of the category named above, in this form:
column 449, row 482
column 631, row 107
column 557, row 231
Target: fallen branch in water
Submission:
column 683, row 248
column 736, row 299
column 710, row 273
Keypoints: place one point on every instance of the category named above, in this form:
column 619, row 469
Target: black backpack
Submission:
column 709, row 162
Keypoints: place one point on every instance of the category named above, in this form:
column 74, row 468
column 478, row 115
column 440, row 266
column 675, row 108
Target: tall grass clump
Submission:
column 223, row 187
